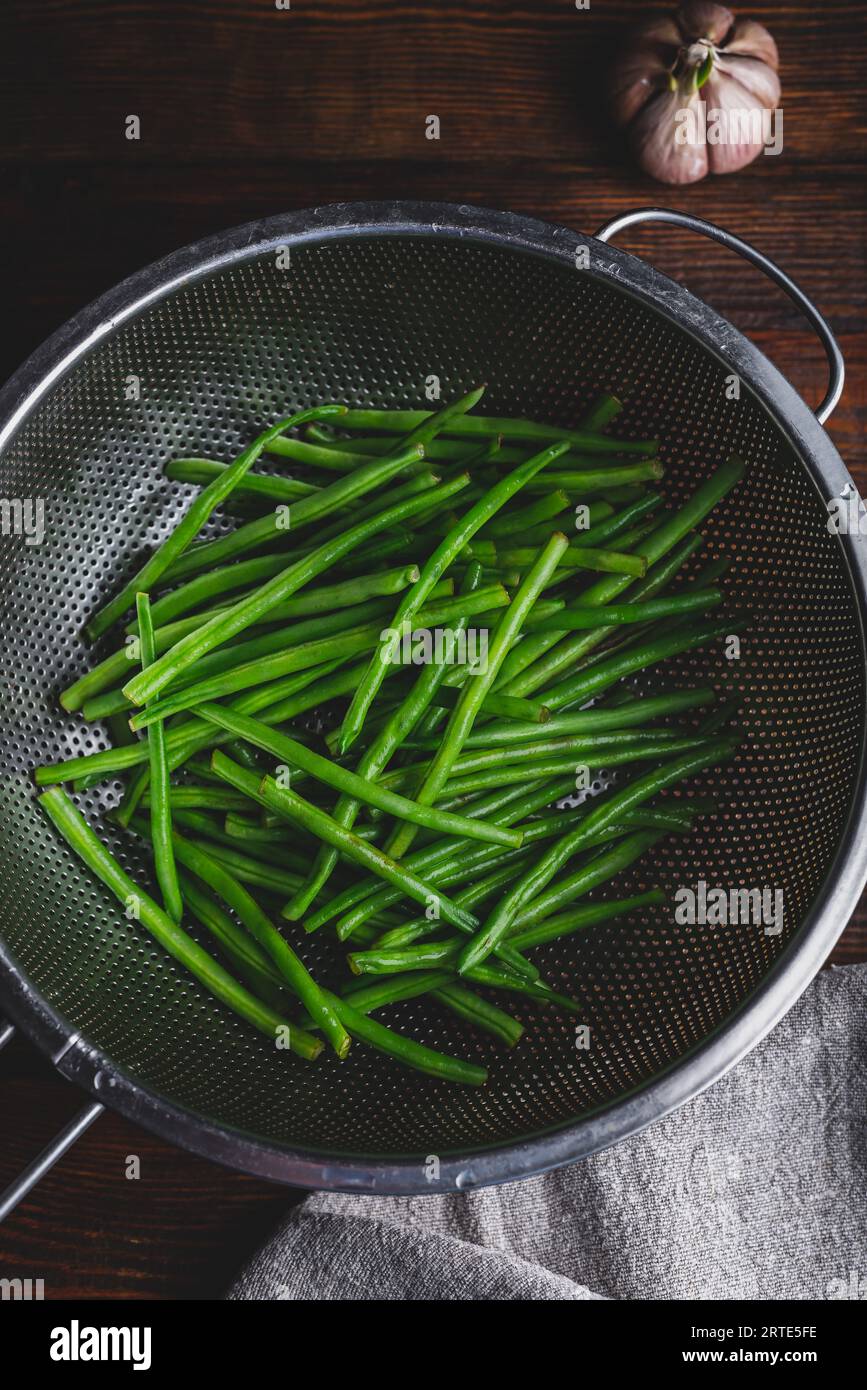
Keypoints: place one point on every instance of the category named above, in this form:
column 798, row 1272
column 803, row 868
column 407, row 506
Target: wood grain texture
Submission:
column 248, row 111
column 345, row 78
column 182, row 1229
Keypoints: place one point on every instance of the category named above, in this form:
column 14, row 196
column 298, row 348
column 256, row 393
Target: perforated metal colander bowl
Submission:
column 223, row 336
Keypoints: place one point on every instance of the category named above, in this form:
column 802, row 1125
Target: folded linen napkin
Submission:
column 755, row 1190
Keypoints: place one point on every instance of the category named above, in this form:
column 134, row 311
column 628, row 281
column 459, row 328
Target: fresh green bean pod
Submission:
column 170, row 936
column 192, row 522
column 254, row 606
column 433, row 569
column 161, row 806
column 298, row 979
column 534, row 881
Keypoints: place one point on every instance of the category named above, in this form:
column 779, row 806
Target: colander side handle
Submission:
column 45, row 1161
column 836, row 366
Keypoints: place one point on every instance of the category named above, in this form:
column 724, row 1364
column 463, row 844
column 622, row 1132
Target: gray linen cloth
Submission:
column 755, row 1190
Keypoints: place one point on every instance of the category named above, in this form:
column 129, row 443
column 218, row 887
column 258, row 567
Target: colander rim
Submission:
column 688, row 1075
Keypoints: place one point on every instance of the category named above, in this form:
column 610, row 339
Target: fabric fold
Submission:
column 754, row 1190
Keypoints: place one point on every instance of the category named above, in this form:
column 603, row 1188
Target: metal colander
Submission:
column 374, row 300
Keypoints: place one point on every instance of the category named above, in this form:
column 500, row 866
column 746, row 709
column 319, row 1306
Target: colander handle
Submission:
column 45, row 1161
column 837, row 371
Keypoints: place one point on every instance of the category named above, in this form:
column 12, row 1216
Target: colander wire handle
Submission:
column 45, row 1161
column 836, row 365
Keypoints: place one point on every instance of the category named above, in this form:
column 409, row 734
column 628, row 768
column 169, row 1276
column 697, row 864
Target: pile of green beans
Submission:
column 362, row 707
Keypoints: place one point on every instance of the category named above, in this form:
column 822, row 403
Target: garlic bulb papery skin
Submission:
column 697, row 90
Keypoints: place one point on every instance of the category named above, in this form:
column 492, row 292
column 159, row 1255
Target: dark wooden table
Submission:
column 248, row 110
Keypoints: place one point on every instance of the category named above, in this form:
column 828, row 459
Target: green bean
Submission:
column 406, row 1050
column 345, row 594
column 604, row 409
column 598, row 512
column 209, row 798
column 278, row 702
column 432, row 955
column 242, row 754
column 242, row 952
column 509, row 865
column 502, row 808
column 530, row 535
column 250, row 870
column 579, row 918
column 533, row 648
column 277, row 524
column 203, row 824
column 589, row 482
column 530, row 652
column 495, row 978
column 263, row 675
column 598, row 870
column 483, row 1014
column 253, row 607
column 424, row 481
column 196, row 735
column 638, row 711
column 170, row 936
column 472, row 698
column 397, row 727
column 287, row 803
column 720, row 717
column 206, row 867
column 314, row 456
column 550, row 929
column 264, row 668
column 437, row 859
column 332, row 774
column 116, row 666
column 503, row 705
column 366, row 996
column 444, row 875
column 514, row 866
column 534, row 881
column 712, row 571
column 288, row 698
column 661, row 541
column 508, row 523
column 161, row 809
column 458, row 451
column 256, row 836
column 397, row 938
column 243, row 652
column 108, row 760
column 119, row 731
column 439, row 561
column 575, row 617
column 602, row 755
column 586, row 683
column 609, row 527
column 326, row 501
column 255, row 485
column 581, row 557
column 579, row 745
column 193, row 521
column 239, row 827
column 398, row 421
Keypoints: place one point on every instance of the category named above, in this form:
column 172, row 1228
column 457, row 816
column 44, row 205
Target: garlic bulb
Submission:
column 697, row 90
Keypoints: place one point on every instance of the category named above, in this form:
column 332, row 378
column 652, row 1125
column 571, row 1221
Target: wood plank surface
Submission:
column 248, row 110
